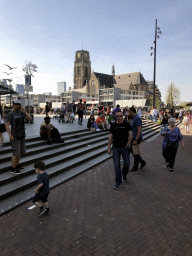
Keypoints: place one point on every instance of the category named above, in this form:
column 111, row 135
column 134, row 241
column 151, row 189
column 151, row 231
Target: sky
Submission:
column 49, row 32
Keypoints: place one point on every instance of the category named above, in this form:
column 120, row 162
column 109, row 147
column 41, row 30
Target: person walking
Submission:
column 80, row 111
column 172, row 136
column 136, row 126
column 186, row 122
column 17, row 134
column 47, row 109
column 121, row 136
column 74, row 109
column 155, row 113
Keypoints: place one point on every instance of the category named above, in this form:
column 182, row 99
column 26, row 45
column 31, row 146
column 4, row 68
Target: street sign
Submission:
column 29, row 88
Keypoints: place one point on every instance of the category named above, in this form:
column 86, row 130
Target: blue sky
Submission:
column 48, row 32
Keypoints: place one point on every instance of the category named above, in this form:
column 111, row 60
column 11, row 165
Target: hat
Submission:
column 47, row 118
column 17, row 102
column 110, row 113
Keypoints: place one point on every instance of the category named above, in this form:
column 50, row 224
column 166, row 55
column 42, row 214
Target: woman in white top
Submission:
column 186, row 122
column 1, row 122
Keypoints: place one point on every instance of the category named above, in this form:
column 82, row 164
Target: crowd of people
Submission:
column 125, row 136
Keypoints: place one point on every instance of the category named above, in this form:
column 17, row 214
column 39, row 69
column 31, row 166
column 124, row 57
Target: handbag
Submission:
column 2, row 128
column 172, row 144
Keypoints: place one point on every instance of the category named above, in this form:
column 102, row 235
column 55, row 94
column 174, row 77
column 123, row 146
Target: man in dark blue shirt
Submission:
column 136, row 126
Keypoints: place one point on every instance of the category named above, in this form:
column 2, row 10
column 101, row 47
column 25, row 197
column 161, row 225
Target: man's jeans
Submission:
column 117, row 152
column 155, row 118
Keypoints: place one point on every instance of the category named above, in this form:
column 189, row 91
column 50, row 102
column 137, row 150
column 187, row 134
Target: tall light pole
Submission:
column 157, row 33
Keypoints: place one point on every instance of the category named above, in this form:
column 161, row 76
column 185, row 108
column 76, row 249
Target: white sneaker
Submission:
column 98, row 130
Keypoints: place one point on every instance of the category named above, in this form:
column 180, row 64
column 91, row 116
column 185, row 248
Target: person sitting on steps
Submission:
column 49, row 132
column 91, row 123
column 101, row 123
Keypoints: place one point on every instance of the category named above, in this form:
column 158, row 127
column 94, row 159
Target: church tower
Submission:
column 82, row 69
column 113, row 72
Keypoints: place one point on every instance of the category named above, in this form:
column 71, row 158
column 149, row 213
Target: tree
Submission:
column 172, row 97
column 157, row 101
column 29, row 68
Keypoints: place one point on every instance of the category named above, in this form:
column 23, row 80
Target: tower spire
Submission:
column 113, row 72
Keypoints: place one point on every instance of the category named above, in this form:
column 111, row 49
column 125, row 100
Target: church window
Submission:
column 78, row 71
column 86, row 72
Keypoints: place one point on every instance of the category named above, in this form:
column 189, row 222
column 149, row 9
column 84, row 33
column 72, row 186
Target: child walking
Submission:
column 42, row 191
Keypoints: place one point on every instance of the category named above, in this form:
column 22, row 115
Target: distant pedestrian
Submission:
column 47, row 109
column 155, row 113
column 186, row 122
column 74, row 108
column 136, row 126
column 69, row 111
column 172, row 136
column 42, row 191
column 17, row 134
column 85, row 109
column 121, row 137
column 80, row 111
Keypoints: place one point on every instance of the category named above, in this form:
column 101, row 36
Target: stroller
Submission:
column 61, row 117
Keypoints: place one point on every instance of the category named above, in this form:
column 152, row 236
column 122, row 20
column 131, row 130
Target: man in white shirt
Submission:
column 155, row 114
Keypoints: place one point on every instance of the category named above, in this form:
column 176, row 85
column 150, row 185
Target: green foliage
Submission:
column 172, row 95
column 157, row 102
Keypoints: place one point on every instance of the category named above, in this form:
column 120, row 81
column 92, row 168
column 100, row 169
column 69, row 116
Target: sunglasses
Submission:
column 17, row 104
column 119, row 116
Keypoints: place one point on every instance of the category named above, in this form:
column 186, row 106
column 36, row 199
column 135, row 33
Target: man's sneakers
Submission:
column 143, row 165
column 47, row 211
column 133, row 171
column 41, row 210
column 15, row 171
column 117, row 186
column 98, row 130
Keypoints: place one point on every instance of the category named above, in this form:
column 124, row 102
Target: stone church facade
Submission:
column 104, row 87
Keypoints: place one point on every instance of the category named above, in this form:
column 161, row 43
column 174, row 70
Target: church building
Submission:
column 94, row 87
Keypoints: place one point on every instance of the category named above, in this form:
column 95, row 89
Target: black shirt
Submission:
column 43, row 178
column 120, row 133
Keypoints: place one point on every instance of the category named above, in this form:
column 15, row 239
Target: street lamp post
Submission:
column 157, row 33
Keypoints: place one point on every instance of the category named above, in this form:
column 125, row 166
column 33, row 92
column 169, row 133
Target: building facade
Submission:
column 61, row 87
column 20, row 88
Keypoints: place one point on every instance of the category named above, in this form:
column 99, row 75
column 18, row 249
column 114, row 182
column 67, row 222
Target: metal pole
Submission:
column 154, row 74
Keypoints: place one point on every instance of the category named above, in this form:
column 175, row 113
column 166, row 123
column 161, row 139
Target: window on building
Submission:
column 86, row 72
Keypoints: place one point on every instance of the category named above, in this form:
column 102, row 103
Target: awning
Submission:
column 4, row 90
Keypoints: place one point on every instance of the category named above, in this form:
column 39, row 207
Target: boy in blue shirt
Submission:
column 42, row 191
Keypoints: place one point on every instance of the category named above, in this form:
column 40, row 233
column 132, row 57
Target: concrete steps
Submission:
column 81, row 151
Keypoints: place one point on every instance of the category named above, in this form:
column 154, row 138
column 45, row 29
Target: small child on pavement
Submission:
column 42, row 191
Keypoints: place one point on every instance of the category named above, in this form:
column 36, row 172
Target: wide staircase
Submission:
column 81, row 151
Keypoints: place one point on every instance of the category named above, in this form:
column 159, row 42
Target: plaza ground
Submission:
column 149, row 215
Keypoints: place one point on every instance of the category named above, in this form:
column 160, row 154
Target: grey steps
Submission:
column 18, row 199
column 64, row 162
column 58, row 153
column 45, row 147
column 38, row 141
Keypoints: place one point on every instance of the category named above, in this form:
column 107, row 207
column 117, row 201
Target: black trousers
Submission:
column 137, row 158
column 169, row 154
column 80, row 113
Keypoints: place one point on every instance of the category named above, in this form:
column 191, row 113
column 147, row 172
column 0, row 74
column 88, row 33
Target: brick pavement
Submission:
column 148, row 215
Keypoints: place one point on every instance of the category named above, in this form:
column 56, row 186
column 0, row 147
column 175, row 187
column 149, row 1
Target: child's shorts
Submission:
column 37, row 198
